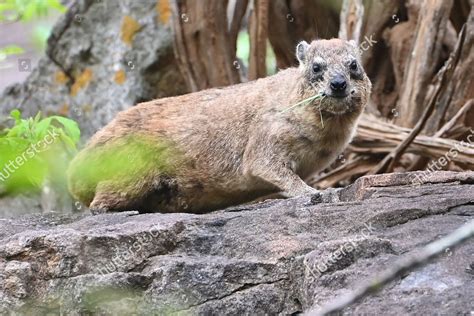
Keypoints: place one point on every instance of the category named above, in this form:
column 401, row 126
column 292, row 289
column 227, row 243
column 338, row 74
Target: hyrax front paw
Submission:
column 330, row 195
column 99, row 207
column 316, row 198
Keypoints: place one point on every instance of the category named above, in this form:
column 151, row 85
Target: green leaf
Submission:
column 42, row 127
column 67, row 140
column 51, row 162
column 27, row 10
column 7, row 6
column 70, row 127
column 12, row 50
column 28, row 13
column 16, row 114
column 56, row 4
column 37, row 117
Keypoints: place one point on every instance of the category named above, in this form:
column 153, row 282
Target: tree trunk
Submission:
column 296, row 20
column 423, row 62
column 258, row 39
column 202, row 43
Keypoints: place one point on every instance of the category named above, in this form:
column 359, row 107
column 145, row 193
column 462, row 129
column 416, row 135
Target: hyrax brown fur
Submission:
column 231, row 145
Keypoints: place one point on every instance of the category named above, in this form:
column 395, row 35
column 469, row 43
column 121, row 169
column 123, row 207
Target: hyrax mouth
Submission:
column 337, row 104
column 338, row 95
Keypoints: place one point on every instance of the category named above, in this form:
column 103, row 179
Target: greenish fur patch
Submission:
column 124, row 162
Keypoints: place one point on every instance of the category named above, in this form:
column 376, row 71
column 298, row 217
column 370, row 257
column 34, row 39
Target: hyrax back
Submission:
column 219, row 147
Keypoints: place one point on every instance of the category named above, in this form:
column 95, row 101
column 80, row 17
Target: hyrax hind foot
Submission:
column 146, row 195
column 110, row 198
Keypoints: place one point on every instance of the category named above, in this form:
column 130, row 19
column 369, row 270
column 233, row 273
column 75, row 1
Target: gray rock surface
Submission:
column 278, row 257
column 99, row 63
column 14, row 206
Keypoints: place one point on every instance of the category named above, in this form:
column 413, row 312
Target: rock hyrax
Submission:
column 219, row 147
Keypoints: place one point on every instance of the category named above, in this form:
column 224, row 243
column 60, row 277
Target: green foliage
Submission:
column 10, row 50
column 243, row 52
column 243, row 47
column 35, row 149
column 40, row 36
column 26, row 10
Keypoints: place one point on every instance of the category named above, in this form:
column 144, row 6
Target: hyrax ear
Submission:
column 356, row 48
column 301, row 50
column 353, row 43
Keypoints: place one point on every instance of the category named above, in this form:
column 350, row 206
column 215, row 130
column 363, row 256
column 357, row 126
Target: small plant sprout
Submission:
column 35, row 151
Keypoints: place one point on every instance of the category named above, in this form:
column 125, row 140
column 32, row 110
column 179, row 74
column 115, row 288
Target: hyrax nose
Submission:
column 338, row 84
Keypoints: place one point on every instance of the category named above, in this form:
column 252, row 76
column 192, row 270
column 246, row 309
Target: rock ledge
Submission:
column 274, row 257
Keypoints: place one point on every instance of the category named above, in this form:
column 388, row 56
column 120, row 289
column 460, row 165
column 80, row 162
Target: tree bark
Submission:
column 203, row 45
column 258, row 39
column 352, row 16
column 461, row 88
column 422, row 65
column 296, row 20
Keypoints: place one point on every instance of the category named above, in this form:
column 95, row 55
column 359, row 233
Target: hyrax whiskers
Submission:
column 210, row 149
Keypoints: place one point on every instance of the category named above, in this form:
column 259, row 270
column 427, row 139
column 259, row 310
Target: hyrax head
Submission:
column 333, row 70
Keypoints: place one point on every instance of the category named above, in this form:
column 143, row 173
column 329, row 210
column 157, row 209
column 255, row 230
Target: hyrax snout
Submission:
column 224, row 146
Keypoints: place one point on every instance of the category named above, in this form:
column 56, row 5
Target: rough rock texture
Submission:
column 275, row 257
column 99, row 63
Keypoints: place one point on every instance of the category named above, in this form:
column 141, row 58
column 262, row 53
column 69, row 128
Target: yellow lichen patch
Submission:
column 129, row 28
column 64, row 110
column 60, row 77
column 120, row 76
column 163, row 11
column 81, row 81
column 53, row 261
column 87, row 108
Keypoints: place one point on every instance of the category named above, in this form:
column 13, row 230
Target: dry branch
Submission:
column 449, row 125
column 354, row 167
column 422, row 63
column 401, row 267
column 444, row 75
column 460, row 88
column 376, row 137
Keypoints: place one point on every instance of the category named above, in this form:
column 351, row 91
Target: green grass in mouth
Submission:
column 303, row 102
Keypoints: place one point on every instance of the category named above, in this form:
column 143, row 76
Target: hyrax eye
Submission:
column 316, row 67
column 353, row 65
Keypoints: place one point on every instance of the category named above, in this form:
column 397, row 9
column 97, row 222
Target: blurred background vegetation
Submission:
column 26, row 26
